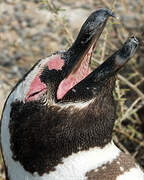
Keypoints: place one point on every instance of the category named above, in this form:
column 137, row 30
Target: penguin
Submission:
column 57, row 122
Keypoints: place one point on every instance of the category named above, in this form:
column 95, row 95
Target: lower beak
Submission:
column 96, row 79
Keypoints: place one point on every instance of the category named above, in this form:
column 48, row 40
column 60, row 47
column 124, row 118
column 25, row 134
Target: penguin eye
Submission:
column 35, row 93
column 36, row 89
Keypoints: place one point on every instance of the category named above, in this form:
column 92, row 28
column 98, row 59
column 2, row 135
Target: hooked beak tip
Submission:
column 111, row 13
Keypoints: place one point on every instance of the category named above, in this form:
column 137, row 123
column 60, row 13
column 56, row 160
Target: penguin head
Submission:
column 53, row 77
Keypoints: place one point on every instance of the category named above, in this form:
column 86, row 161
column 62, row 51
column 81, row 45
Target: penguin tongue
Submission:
column 82, row 71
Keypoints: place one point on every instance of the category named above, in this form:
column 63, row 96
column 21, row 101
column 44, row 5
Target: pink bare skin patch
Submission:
column 56, row 63
column 37, row 88
column 73, row 79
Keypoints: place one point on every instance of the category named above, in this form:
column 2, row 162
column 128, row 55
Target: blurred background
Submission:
column 33, row 29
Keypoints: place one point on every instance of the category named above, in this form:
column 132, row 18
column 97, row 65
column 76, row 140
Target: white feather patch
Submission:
column 78, row 105
column 78, row 164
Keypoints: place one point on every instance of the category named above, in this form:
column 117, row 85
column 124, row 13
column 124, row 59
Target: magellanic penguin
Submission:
column 57, row 122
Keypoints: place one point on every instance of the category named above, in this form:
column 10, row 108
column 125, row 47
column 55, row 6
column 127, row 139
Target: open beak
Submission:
column 78, row 79
column 97, row 80
column 77, row 58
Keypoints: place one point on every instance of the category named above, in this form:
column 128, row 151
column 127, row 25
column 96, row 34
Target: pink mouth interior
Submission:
column 71, row 80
